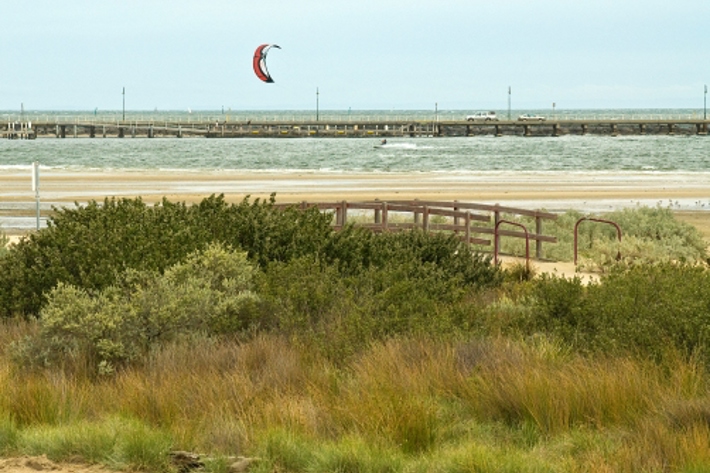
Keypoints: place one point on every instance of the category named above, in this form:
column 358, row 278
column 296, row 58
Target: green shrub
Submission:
column 356, row 250
column 558, row 306
column 339, row 315
column 650, row 309
column 89, row 246
column 4, row 241
column 644, row 310
column 121, row 323
column 649, row 235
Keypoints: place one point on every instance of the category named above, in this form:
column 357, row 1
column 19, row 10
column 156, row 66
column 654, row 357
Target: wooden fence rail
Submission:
column 430, row 216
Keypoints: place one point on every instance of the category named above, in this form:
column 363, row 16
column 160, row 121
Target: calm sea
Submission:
column 657, row 153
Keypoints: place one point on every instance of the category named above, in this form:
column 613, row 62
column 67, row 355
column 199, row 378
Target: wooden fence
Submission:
column 461, row 218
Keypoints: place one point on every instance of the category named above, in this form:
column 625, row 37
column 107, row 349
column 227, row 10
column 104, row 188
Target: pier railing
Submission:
column 475, row 224
column 304, row 126
column 327, row 116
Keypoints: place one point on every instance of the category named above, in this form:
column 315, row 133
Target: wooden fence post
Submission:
column 456, row 218
column 496, row 219
column 417, row 215
column 345, row 212
column 538, row 232
column 385, row 216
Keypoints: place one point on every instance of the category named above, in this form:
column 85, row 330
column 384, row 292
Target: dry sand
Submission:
column 528, row 190
column 41, row 463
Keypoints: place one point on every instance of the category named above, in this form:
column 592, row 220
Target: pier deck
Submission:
column 348, row 128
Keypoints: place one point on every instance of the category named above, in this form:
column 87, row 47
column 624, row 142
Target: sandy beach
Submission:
column 686, row 193
column 551, row 190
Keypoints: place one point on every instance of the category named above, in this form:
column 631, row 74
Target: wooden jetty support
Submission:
column 474, row 223
column 19, row 130
column 356, row 128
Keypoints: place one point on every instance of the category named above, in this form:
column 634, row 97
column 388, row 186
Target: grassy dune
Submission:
column 410, row 404
column 396, row 353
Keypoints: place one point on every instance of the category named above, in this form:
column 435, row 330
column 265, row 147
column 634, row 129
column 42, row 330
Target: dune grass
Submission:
column 410, row 404
column 363, row 359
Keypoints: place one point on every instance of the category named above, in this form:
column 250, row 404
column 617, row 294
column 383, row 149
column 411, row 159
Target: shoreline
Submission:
column 587, row 192
column 296, row 186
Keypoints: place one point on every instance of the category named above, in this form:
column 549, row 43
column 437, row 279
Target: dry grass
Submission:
column 402, row 405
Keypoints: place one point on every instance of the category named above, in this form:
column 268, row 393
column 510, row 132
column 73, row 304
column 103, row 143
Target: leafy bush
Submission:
column 645, row 310
column 4, row 241
column 142, row 310
column 89, row 246
column 339, row 314
column 649, row 235
column 355, row 250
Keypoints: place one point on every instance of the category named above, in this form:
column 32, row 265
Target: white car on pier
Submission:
column 482, row 116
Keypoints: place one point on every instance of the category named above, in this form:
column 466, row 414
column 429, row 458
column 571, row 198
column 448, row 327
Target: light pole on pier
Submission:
column 705, row 103
column 317, row 103
column 509, row 103
column 124, row 104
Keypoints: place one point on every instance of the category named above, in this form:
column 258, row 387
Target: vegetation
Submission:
column 650, row 235
column 129, row 331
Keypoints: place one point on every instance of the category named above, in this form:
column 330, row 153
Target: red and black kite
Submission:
column 260, row 62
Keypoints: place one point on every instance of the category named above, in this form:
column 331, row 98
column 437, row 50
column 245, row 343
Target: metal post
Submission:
column 317, row 103
column 705, row 104
column 35, row 186
column 509, row 92
column 124, row 104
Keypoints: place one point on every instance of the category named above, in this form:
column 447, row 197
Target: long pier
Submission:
column 357, row 128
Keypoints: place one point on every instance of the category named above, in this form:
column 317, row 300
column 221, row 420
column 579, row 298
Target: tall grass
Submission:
column 409, row 404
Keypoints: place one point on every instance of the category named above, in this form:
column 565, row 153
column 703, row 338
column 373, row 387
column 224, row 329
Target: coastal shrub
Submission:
column 339, row 314
column 649, row 235
column 141, row 311
column 644, row 310
column 4, row 241
column 88, row 246
column 355, row 250
column 650, row 309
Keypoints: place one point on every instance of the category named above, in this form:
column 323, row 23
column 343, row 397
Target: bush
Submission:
column 645, row 310
column 649, row 235
column 88, row 247
column 355, row 250
column 340, row 311
column 143, row 310
column 4, row 241
column 652, row 309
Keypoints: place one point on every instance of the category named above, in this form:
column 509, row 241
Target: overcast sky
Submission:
column 359, row 54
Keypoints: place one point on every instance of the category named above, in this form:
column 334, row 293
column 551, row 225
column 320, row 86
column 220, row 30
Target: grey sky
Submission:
column 366, row 54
